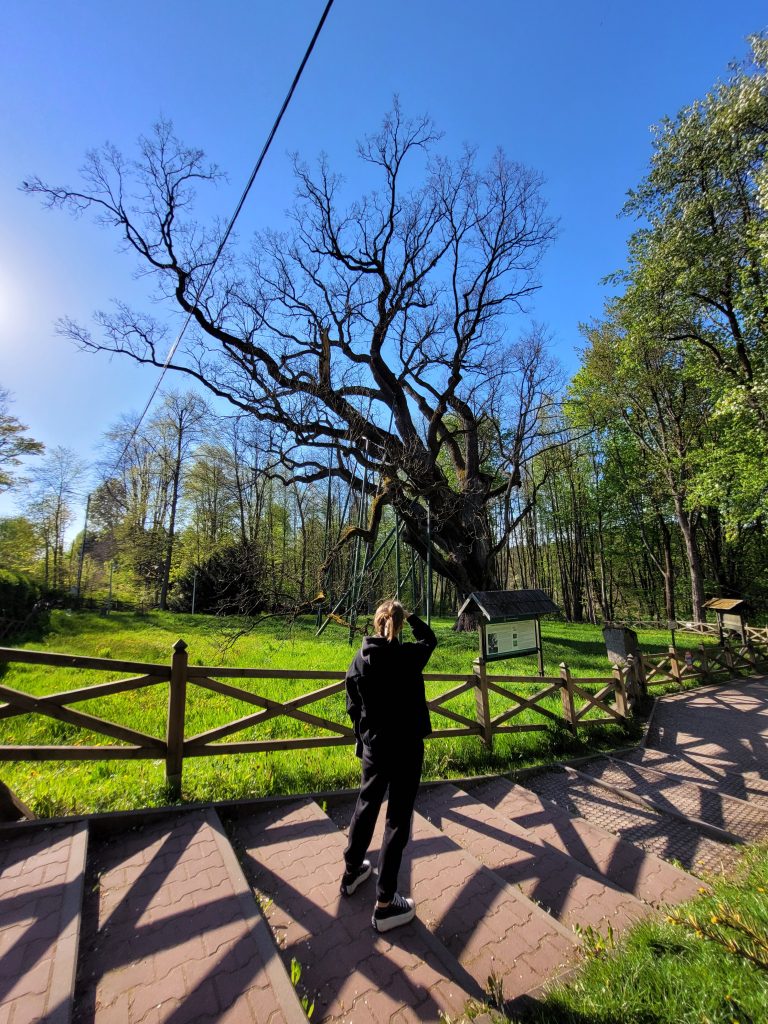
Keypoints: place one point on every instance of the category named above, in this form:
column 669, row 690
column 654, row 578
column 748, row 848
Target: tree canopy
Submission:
column 14, row 443
column 697, row 273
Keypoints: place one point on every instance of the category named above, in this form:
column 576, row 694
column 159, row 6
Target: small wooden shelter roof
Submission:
column 501, row 605
column 725, row 604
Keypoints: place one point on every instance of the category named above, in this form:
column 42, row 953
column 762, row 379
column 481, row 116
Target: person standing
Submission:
column 387, row 704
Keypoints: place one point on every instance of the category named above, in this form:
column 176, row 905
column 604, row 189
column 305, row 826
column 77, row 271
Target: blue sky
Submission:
column 568, row 89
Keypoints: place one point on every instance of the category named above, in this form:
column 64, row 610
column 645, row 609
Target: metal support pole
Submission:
column 566, row 694
column 397, row 556
column 109, row 599
column 539, row 646
column 429, row 566
column 82, row 548
column 482, row 707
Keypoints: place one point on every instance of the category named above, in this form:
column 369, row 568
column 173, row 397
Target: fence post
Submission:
column 728, row 657
column 482, row 709
column 638, row 674
column 566, row 693
column 177, row 700
column 749, row 654
column 631, row 677
column 704, row 662
column 621, row 690
column 674, row 665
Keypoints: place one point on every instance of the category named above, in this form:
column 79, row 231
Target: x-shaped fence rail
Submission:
column 585, row 701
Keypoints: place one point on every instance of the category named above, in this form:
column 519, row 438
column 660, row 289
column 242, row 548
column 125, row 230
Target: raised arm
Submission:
column 424, row 642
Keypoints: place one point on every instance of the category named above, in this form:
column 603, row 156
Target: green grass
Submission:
column 69, row 787
column 704, row 963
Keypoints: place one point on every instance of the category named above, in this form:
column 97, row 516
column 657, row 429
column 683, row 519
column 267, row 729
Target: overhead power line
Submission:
column 230, row 226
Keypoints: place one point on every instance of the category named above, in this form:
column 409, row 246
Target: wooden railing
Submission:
column 703, row 628
column 758, row 635
column 707, row 664
column 584, row 702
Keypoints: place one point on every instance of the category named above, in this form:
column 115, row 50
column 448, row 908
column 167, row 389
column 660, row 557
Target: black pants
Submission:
column 400, row 772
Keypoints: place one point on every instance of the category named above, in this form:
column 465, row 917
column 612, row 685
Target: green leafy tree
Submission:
column 703, row 248
column 57, row 483
column 14, row 443
column 20, row 544
column 634, row 381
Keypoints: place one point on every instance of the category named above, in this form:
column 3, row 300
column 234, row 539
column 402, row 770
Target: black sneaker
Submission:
column 350, row 880
column 401, row 910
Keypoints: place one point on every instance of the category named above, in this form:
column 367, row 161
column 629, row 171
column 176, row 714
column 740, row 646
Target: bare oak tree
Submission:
column 374, row 331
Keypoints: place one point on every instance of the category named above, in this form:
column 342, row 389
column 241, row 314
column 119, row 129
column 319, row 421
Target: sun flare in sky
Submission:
column 6, row 290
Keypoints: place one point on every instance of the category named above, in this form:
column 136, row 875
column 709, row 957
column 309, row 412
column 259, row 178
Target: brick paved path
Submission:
column 563, row 886
column 743, row 786
column 722, row 726
column 41, row 891
column 631, row 867
column 171, row 932
column 697, row 802
column 167, row 936
column 293, row 856
column 490, row 927
column 666, row 837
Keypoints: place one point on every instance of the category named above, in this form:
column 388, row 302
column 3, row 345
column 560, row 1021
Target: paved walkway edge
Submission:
column 62, row 984
column 259, row 929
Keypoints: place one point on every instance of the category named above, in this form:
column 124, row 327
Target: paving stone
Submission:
column 697, row 802
column 488, row 925
column 631, row 867
column 666, row 837
column 743, row 786
column 562, row 885
column 725, row 726
column 164, row 891
column 41, row 890
column 345, row 963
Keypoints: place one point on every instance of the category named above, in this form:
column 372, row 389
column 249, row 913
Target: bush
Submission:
column 228, row 583
column 18, row 595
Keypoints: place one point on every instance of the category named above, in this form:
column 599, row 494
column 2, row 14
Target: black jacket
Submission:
column 385, row 689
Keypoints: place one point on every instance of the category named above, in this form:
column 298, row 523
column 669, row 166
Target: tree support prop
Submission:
column 177, row 699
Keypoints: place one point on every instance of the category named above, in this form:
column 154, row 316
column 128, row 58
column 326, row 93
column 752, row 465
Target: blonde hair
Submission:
column 389, row 619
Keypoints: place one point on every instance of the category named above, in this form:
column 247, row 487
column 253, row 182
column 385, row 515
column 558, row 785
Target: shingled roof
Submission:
column 500, row 605
column 725, row 604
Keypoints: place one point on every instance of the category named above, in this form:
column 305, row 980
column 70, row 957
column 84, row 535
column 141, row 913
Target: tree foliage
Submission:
column 697, row 273
column 14, row 443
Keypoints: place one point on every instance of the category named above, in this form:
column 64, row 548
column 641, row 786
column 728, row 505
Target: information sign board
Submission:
column 509, row 639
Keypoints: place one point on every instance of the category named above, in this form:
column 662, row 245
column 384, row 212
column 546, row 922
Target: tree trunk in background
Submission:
column 668, row 570
column 694, row 560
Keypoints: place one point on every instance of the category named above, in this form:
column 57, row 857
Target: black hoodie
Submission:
column 385, row 689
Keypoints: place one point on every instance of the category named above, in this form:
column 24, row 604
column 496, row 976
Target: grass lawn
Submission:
column 706, row 962
column 62, row 787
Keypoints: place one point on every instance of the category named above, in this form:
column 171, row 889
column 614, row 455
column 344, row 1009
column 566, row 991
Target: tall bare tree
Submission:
column 178, row 424
column 57, row 482
column 378, row 328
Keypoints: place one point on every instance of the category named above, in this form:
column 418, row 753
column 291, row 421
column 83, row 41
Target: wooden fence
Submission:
column 579, row 707
column 758, row 636
column 705, row 664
